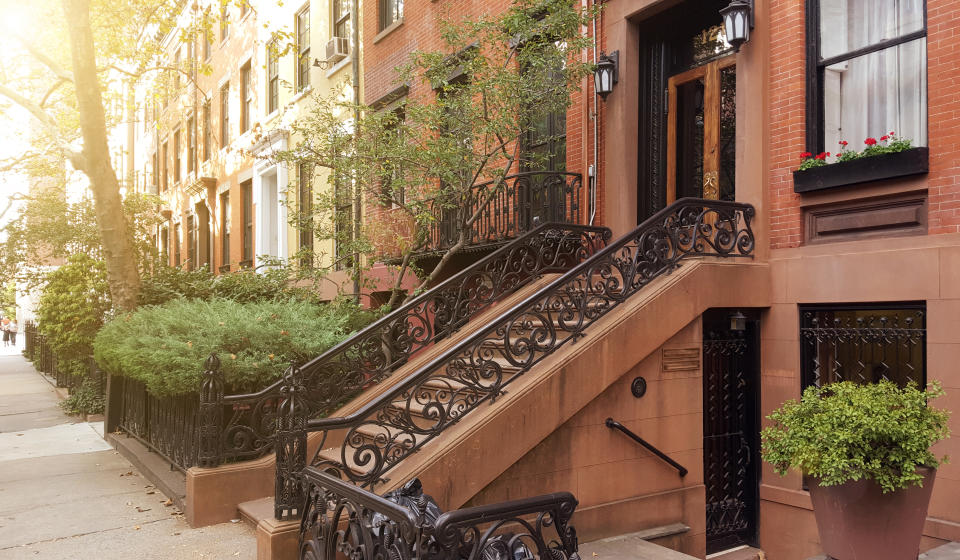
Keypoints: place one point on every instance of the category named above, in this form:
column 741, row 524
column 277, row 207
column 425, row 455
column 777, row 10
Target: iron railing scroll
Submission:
column 400, row 421
column 512, row 206
column 342, row 520
column 614, row 425
column 370, row 355
column 210, row 414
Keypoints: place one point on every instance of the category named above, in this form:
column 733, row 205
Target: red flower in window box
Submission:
column 870, row 141
column 805, row 155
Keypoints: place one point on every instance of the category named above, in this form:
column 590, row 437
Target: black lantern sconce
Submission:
column 738, row 322
column 737, row 22
column 606, row 74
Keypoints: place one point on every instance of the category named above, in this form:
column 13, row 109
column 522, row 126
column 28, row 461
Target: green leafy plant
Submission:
column 86, row 399
column 73, row 306
column 847, row 431
column 273, row 284
column 164, row 346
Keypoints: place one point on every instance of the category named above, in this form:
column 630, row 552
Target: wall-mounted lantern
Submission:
column 737, row 22
column 606, row 73
column 738, row 322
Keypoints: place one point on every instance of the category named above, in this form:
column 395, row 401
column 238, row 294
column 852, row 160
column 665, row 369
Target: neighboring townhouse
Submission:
column 238, row 75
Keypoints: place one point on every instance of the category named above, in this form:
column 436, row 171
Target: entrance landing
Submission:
column 629, row 547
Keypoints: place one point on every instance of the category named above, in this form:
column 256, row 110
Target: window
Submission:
column 246, row 92
column 303, row 48
column 177, row 240
column 164, row 153
column 192, row 59
column 191, row 144
column 176, row 71
column 273, row 77
column 165, row 244
column 224, row 22
column 342, row 223
column 305, row 204
column 156, row 173
column 863, row 343
column 867, row 74
column 391, row 11
column 206, row 35
column 247, row 189
column 225, row 229
column 391, row 192
column 176, row 156
column 341, row 18
column 207, row 132
column 191, row 242
column 224, row 115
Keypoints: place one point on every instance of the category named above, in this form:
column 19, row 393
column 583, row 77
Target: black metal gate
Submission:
column 730, row 430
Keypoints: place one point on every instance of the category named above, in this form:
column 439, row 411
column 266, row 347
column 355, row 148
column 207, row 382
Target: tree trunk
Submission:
column 115, row 235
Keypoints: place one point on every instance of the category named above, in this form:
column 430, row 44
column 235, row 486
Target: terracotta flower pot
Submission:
column 857, row 521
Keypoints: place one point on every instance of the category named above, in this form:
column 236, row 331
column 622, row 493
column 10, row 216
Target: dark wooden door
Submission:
column 730, row 431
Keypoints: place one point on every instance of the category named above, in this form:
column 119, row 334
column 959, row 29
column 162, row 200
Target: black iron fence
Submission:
column 342, row 520
column 37, row 349
column 376, row 438
column 508, row 208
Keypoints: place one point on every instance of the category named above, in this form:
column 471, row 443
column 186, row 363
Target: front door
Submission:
column 730, row 430
column 701, row 131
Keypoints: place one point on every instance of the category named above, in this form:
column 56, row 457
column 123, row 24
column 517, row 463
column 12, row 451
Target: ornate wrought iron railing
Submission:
column 238, row 427
column 614, row 425
column 511, row 206
column 166, row 425
column 382, row 433
column 342, row 519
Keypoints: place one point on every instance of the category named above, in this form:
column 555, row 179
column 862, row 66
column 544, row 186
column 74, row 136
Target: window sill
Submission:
column 300, row 95
column 388, row 30
column 914, row 161
column 338, row 66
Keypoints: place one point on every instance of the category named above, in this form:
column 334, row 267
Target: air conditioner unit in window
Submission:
column 338, row 48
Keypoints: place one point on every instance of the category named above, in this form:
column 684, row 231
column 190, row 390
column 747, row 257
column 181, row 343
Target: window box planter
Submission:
column 874, row 168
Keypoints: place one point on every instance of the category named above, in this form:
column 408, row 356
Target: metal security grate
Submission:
column 866, row 343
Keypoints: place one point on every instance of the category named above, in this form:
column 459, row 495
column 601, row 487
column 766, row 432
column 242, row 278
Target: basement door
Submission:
column 730, row 430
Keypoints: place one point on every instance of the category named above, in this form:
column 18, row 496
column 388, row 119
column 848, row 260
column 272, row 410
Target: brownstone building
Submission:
column 853, row 275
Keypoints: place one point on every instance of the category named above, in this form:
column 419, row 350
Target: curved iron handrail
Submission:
column 340, row 518
column 371, row 354
column 614, row 425
column 407, row 416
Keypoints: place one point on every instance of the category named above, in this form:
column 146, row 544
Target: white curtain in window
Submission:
column 873, row 94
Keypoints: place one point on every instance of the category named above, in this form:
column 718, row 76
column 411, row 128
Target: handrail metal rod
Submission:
column 614, row 425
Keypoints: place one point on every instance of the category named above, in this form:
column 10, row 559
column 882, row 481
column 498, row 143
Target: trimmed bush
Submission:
column 168, row 283
column 164, row 346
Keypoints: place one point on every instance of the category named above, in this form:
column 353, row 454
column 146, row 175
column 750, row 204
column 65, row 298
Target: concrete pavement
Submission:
column 66, row 494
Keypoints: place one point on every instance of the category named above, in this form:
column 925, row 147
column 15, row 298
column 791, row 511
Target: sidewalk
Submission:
column 66, row 494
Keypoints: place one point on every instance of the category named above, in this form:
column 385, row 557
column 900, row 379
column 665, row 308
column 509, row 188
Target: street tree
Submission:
column 473, row 103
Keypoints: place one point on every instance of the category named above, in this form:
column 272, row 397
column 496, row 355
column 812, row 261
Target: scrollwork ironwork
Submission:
column 376, row 351
column 342, row 519
column 406, row 417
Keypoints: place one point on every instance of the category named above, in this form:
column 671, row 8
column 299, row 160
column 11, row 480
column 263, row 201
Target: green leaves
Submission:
column 73, row 306
column 847, row 431
column 164, row 346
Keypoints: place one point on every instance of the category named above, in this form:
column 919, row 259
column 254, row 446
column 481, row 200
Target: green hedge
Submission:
column 164, row 346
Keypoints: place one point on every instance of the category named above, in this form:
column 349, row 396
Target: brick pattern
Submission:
column 788, row 117
column 419, row 30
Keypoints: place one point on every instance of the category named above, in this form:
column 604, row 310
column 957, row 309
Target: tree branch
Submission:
column 76, row 158
column 57, row 70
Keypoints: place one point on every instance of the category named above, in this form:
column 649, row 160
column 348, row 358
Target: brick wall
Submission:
column 788, row 117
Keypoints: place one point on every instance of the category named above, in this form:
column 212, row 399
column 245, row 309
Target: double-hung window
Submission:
column 246, row 97
column 303, row 48
column 341, row 18
column 273, row 77
column 225, row 115
column 390, row 12
column 867, row 72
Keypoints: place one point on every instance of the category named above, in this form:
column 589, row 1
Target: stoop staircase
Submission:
column 459, row 417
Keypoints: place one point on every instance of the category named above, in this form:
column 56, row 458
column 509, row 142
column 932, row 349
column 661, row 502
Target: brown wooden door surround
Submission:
column 701, row 130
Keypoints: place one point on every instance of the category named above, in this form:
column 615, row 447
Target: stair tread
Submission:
column 632, row 546
column 255, row 510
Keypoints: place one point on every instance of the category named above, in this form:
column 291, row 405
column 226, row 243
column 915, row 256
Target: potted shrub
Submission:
column 866, row 449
